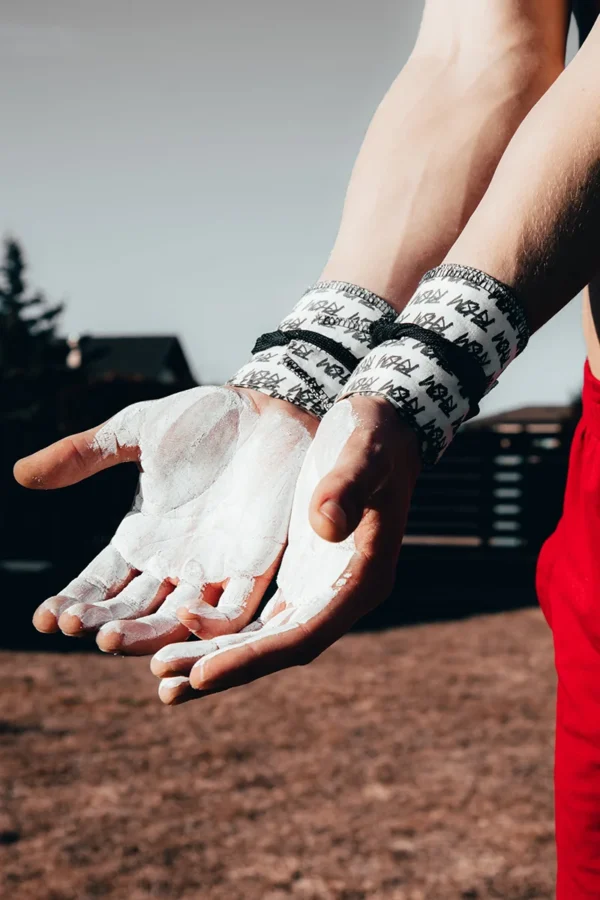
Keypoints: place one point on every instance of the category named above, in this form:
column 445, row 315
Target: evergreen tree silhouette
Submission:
column 32, row 357
column 28, row 342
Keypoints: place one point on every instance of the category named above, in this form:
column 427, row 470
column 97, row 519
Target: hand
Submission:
column 208, row 525
column 346, row 529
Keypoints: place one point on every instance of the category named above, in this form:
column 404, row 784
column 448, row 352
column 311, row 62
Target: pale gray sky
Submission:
column 180, row 167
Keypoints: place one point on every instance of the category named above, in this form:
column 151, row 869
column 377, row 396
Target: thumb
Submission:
column 74, row 458
column 342, row 496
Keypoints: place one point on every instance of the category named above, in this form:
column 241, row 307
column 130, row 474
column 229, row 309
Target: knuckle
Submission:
column 80, row 452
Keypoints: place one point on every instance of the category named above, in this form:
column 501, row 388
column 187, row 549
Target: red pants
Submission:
column 568, row 583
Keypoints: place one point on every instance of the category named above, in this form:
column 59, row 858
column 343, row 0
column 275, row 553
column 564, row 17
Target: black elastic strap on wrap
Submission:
column 456, row 359
column 281, row 338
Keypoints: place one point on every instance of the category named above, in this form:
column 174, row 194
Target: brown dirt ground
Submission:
column 406, row 765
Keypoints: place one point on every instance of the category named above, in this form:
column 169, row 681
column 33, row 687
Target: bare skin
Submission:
column 435, row 141
column 471, row 79
column 296, row 625
column 546, row 226
column 131, row 598
column 536, row 228
column 365, row 471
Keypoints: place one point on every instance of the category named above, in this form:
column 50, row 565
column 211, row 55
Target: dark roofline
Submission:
column 523, row 415
column 126, row 356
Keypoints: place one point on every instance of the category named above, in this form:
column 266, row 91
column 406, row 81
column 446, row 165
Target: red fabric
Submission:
column 568, row 583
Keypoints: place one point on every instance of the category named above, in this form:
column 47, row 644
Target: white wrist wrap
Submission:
column 466, row 308
column 339, row 317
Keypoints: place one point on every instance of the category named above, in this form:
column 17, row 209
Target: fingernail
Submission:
column 334, row 512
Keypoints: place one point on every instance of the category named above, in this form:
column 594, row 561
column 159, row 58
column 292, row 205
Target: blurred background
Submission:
column 166, row 169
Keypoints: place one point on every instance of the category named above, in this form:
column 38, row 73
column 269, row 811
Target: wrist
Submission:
column 311, row 356
column 446, row 350
column 263, row 402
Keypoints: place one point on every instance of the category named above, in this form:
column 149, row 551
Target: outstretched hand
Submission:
column 346, row 529
column 209, row 521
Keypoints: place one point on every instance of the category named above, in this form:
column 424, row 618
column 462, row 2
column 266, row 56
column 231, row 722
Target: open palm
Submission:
column 208, row 524
column 365, row 460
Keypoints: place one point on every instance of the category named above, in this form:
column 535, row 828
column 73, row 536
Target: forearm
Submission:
column 436, row 139
column 537, row 228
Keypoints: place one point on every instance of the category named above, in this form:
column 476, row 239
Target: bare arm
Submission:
column 429, row 155
column 434, row 143
column 538, row 226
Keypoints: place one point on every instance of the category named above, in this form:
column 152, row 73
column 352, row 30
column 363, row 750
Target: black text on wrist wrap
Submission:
column 434, row 387
column 309, row 359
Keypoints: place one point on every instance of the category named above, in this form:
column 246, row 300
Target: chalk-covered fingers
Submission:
column 192, row 670
column 81, row 455
column 180, row 658
column 132, row 612
column 325, row 586
column 207, row 610
column 239, row 660
column 148, row 633
column 102, row 579
column 140, row 597
column 209, row 616
column 173, row 664
column 176, row 690
column 293, row 636
column 262, row 653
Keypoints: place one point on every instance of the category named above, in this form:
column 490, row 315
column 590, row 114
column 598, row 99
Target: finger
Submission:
column 238, row 603
column 206, row 619
column 173, row 691
column 104, row 577
column 80, row 455
column 295, row 636
column 381, row 450
column 148, row 633
column 140, row 597
column 141, row 637
column 178, row 659
column 341, row 497
column 254, row 656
